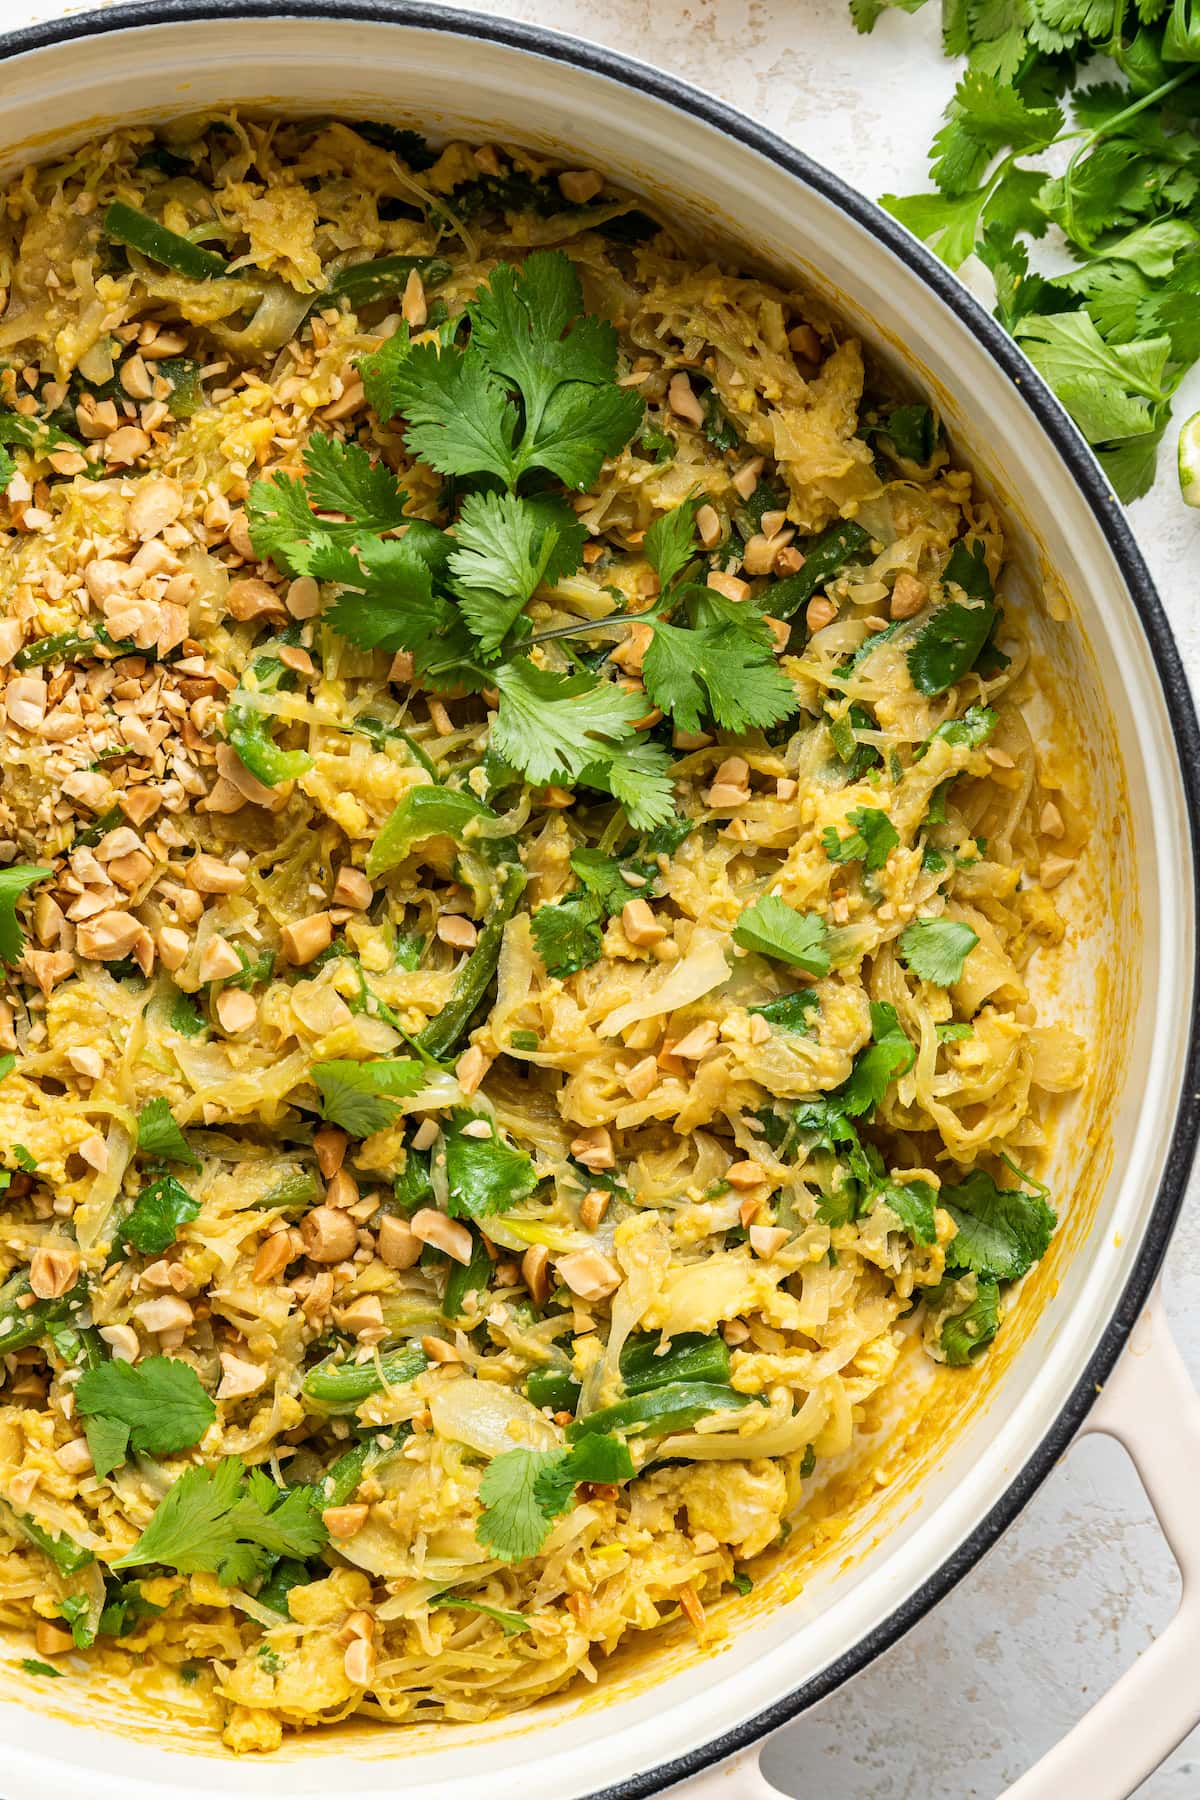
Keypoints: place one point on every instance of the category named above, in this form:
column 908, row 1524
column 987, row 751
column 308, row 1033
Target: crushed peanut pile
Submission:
column 521, row 855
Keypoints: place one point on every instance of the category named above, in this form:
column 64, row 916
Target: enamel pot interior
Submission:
column 1122, row 1157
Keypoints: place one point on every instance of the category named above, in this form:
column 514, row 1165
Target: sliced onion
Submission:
column 794, row 1435
column 93, row 1216
column 489, row 1418
column 702, row 969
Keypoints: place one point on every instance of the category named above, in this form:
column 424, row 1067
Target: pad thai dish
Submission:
column 522, row 851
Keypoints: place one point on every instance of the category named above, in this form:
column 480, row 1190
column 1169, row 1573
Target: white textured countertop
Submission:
column 1083, row 1581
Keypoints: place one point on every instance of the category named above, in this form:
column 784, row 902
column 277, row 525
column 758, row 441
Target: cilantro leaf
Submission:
column 913, row 1203
column 637, row 774
column 773, row 928
column 872, row 841
column 340, row 477
column 553, row 726
column 533, row 332
column 504, row 546
column 108, row 1441
column 936, row 949
column 567, row 933
column 948, row 646
column 125, row 1608
column 528, row 333
column 386, row 599
column 965, row 1334
column 1002, row 1232
column 581, row 427
column 281, row 521
column 222, row 1520
column 31, row 1664
column 515, row 1523
column 8, row 469
column 1110, row 388
column 158, row 1135
column 670, row 543
column 459, row 417
column 13, row 883
column 524, row 1491
column 725, row 671
column 984, row 116
column 185, row 1017
column 484, row 1175
column 791, row 1012
column 604, row 876
column 913, row 433
column 890, row 1054
column 362, row 1097
column 158, row 1213
column 157, row 1403
column 948, row 223
column 528, row 324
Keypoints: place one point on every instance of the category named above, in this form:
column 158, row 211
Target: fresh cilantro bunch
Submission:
column 1116, row 334
column 530, row 398
column 514, row 401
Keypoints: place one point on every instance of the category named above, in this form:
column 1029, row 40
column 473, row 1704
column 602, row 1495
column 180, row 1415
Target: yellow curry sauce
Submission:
column 521, row 853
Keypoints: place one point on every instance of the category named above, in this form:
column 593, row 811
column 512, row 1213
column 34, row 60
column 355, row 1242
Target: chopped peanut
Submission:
column 307, row 938
column 352, row 889
column 578, row 186
column 594, row 1205
column 53, row 1272
column 460, row 933
column 589, row 1274
column 535, row 1269
column 329, row 1235
column 399, row 1245
column 594, row 1149
column 343, row 1522
column 640, row 925
column 329, row 1147
column 908, row 596
column 682, row 400
column 433, row 1227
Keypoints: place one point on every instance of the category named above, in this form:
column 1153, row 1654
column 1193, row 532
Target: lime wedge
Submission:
column 1189, row 461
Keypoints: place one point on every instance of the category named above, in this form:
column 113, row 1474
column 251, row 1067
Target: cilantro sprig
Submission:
column 710, row 657
column 520, row 394
column 226, row 1521
column 156, row 1405
column 775, row 929
column 936, row 949
column 568, row 932
column 364, row 1097
column 524, row 1491
column 1116, row 334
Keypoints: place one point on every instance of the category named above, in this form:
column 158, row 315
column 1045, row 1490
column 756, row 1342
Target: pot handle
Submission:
column 1151, row 1406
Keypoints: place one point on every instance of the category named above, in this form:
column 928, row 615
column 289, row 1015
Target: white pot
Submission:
column 456, row 73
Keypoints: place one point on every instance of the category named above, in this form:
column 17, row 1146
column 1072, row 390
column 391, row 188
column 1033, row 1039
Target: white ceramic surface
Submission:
column 355, row 66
